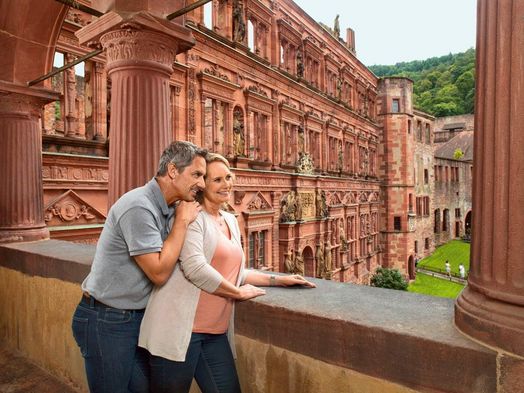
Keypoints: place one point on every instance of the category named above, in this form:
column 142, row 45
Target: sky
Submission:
column 392, row 31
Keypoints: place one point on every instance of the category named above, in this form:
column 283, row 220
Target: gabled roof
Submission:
column 462, row 141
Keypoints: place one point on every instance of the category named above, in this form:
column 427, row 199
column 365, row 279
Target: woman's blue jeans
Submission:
column 108, row 339
column 209, row 360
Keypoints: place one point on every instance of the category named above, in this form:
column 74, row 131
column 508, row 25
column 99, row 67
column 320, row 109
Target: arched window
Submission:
column 437, row 221
column 445, row 221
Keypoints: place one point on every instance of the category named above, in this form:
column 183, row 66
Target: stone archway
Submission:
column 309, row 263
column 467, row 224
column 411, row 268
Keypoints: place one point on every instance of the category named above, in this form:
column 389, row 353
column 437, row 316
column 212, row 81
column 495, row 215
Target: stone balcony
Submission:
column 336, row 338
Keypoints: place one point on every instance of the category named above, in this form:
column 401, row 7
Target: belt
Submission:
column 92, row 301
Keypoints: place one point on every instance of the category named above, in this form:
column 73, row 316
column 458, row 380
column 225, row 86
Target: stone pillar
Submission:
column 70, row 112
column 21, row 190
column 96, row 101
column 491, row 307
column 140, row 50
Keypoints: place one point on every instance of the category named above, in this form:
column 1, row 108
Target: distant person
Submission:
column 462, row 271
column 135, row 251
column 448, row 269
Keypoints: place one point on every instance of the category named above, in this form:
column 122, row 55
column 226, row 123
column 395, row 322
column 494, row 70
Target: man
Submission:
column 136, row 250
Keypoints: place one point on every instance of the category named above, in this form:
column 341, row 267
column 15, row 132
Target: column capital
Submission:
column 19, row 99
column 134, row 35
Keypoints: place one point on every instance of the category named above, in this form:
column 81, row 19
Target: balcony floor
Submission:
column 19, row 375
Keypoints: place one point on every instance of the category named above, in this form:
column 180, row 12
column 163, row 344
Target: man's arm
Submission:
column 158, row 266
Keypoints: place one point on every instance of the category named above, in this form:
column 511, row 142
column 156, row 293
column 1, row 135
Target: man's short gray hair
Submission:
column 181, row 154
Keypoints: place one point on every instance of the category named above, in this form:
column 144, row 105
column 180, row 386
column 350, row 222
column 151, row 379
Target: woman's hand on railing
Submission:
column 294, row 279
column 249, row 291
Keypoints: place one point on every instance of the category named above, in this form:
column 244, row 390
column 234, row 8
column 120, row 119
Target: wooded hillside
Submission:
column 443, row 86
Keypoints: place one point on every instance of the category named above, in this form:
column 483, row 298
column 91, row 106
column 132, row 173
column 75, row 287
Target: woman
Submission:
column 189, row 332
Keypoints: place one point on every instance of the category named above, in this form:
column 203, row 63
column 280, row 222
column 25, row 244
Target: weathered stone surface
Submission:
column 19, row 375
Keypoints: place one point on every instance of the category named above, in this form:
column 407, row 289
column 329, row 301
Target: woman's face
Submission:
column 219, row 183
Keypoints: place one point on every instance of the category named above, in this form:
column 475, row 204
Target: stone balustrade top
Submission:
column 408, row 339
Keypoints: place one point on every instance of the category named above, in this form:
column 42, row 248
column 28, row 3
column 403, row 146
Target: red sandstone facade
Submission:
column 490, row 308
column 286, row 102
column 326, row 156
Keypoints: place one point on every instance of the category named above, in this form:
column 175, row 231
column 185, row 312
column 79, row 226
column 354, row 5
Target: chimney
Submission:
column 350, row 40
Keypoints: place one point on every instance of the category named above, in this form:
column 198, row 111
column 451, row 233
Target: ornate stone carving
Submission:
column 299, row 263
column 191, row 96
column 214, row 70
column 239, row 196
column 333, row 199
column 290, row 208
column 289, row 263
column 363, row 198
column 70, row 209
column 305, row 164
column 328, row 257
column 239, row 26
column 342, row 236
column 306, row 202
column 300, row 63
column 259, row 203
column 257, row 89
column 131, row 43
column 320, row 260
column 239, row 140
column 321, row 205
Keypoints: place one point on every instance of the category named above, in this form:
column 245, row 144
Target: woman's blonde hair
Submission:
column 214, row 157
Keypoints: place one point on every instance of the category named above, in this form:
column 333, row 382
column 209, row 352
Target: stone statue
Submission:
column 300, row 64
column 339, row 88
column 321, row 266
column 342, row 236
column 288, row 207
column 239, row 26
column 299, row 263
column 340, row 158
column 301, row 143
column 336, row 27
column 289, row 264
column 298, row 207
column 327, row 256
column 304, row 164
column 239, row 140
column 320, row 203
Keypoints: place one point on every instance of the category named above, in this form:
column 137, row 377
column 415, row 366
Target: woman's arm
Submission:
column 272, row 280
column 196, row 268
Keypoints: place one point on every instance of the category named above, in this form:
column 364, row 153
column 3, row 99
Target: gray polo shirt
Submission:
column 136, row 224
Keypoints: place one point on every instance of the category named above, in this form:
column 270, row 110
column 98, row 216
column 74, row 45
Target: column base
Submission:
column 15, row 235
column 490, row 321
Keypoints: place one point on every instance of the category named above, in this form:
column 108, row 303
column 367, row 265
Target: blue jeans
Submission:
column 108, row 339
column 209, row 360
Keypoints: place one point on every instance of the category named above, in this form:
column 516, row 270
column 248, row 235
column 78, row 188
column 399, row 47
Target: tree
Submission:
column 458, row 153
column 389, row 278
column 442, row 86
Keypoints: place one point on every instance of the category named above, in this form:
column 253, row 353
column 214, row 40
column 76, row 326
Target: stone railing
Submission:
column 335, row 338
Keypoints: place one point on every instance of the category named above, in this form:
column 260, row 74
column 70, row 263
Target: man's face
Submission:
column 191, row 180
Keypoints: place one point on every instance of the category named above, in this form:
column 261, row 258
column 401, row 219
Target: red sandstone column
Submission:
column 491, row 308
column 71, row 114
column 140, row 50
column 21, row 190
